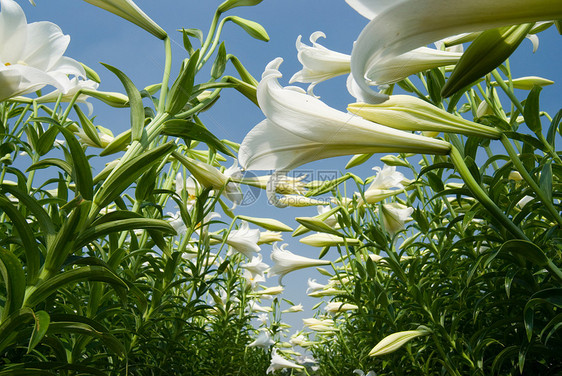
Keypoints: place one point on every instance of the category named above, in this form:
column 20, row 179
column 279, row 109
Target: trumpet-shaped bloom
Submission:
column 31, row 55
column 325, row 325
column 264, row 340
column 131, row 12
column 254, row 270
column 286, row 261
column 318, row 62
column 370, row 8
column 412, row 24
column 244, row 240
column 278, row 362
column 314, row 286
column 380, row 188
column 76, row 85
column 395, row 215
column 300, row 129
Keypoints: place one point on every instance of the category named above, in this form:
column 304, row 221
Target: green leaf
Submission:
column 13, row 277
column 183, row 85
column 130, row 171
column 48, row 162
column 10, row 327
column 531, row 112
column 527, row 250
column 42, row 321
column 33, row 206
column 50, row 286
column 81, row 170
column 187, row 43
column 46, row 140
column 32, row 253
column 193, row 131
column 63, row 242
column 98, row 231
column 61, row 327
column 545, row 181
column 318, row 225
column 554, row 126
column 88, row 127
column 220, row 63
column 253, row 28
column 135, row 103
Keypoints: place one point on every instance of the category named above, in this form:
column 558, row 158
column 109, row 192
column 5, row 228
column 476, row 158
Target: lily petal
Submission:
column 411, row 24
column 300, row 129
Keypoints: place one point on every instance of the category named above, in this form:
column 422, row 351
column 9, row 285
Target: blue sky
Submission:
column 98, row 36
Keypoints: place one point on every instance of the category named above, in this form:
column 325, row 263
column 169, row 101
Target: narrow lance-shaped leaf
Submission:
column 42, row 291
column 82, row 172
column 42, row 321
column 193, row 131
column 13, row 278
column 31, row 250
column 129, row 172
column 135, row 103
column 183, row 85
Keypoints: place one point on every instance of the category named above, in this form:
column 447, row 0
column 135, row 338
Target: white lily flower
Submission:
column 254, row 270
column 395, row 215
column 300, row 340
column 31, row 55
column 263, row 318
column 524, row 201
column 255, row 307
column 278, row 362
column 263, row 341
column 314, row 286
column 300, row 129
column 269, row 237
column 190, row 186
column 286, row 261
column 244, row 240
column 319, row 63
column 370, row 8
column 76, row 85
column 405, row 27
column 131, row 12
column 177, row 223
column 381, row 187
column 361, row 373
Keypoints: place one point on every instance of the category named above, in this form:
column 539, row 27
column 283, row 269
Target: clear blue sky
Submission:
column 98, row 36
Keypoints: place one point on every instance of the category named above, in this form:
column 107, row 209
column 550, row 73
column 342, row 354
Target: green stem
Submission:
column 481, row 195
column 529, row 179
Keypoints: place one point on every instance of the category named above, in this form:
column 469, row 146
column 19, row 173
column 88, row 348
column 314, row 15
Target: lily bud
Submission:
column 327, row 240
column 488, row 51
column 394, row 341
column 132, row 13
column 406, row 112
column 229, row 4
column 527, row 83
